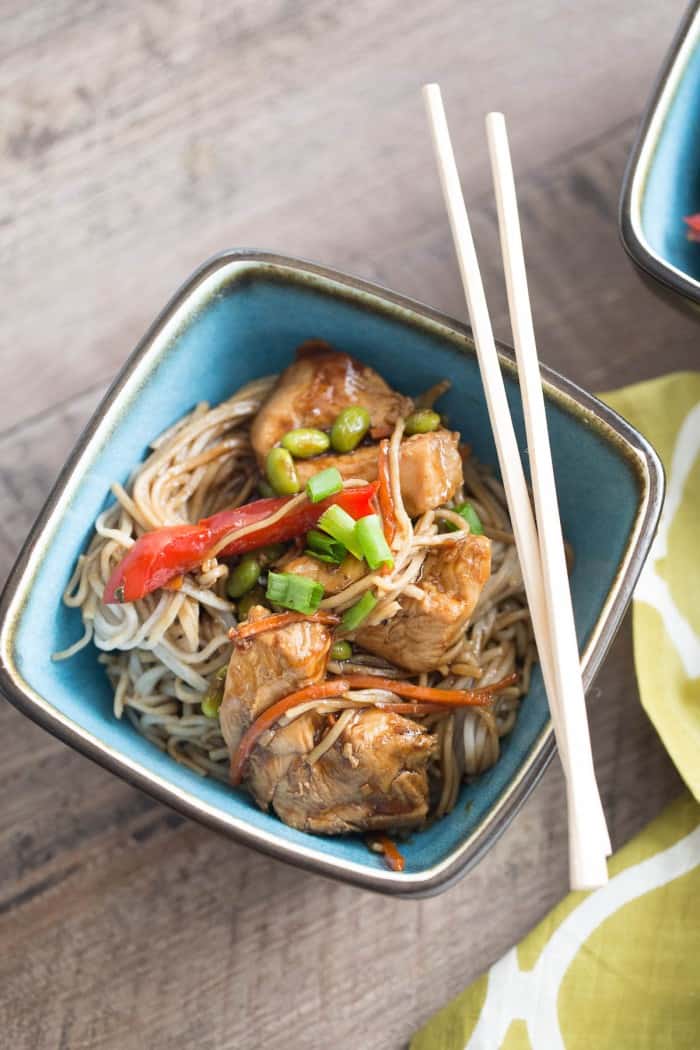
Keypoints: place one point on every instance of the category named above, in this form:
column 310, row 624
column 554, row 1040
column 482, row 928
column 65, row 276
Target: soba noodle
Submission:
column 162, row 652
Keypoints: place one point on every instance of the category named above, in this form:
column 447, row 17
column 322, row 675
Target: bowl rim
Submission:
column 236, row 262
column 642, row 155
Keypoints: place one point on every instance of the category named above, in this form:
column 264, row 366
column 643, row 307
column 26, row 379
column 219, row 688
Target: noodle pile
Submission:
column 162, row 652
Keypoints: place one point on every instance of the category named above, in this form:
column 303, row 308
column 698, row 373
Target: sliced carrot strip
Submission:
column 246, row 631
column 434, row 700
column 448, row 697
column 394, row 859
column 319, row 691
column 414, row 710
column 386, row 503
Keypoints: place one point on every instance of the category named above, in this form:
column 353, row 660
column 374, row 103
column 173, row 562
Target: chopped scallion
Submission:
column 466, row 511
column 211, row 703
column 357, row 613
column 370, row 536
column 324, row 547
column 294, row 592
column 338, row 524
column 324, row 484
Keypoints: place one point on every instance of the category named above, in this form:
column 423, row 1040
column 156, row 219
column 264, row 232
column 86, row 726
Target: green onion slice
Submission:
column 211, row 703
column 329, row 559
column 338, row 524
column 373, row 545
column 324, row 484
column 357, row 613
column 294, row 592
column 466, row 511
column 324, row 547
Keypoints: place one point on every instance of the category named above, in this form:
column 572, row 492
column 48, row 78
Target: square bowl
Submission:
column 240, row 316
column 662, row 180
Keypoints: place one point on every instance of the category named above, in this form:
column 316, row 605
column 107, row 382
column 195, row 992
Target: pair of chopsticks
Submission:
column 540, row 546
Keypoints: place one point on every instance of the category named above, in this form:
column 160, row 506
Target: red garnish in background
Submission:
column 693, row 224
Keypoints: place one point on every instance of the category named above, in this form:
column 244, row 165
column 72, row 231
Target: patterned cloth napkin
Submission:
column 666, row 611
column 619, row 969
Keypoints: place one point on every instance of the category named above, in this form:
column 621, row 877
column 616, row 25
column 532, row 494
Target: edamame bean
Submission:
column 349, row 428
column 305, row 442
column 265, row 489
column 244, row 577
column 254, row 597
column 341, row 651
column 211, row 703
column 280, row 471
column 422, row 422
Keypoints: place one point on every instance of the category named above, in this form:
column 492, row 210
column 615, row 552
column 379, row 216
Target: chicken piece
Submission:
column 419, row 636
column 270, row 763
column 333, row 578
column 430, row 468
column 315, row 388
column 374, row 776
column 362, row 463
column 271, row 665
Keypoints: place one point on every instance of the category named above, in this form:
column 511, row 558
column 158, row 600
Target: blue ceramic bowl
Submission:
column 662, row 180
column 240, row 316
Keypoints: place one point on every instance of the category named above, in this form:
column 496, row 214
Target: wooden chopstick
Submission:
column 552, row 553
column 586, row 837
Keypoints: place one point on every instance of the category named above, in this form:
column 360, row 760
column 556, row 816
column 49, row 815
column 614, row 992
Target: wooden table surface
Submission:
column 137, row 139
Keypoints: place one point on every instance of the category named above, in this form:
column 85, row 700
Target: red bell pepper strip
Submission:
column 355, row 501
column 158, row 557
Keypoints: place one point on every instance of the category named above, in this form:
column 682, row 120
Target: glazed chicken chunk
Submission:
column 430, row 468
column 313, row 390
column 419, row 636
column 274, row 664
column 322, row 382
column 422, row 633
column 373, row 776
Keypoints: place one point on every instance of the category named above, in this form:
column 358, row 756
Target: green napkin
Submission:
column 666, row 611
column 619, row 969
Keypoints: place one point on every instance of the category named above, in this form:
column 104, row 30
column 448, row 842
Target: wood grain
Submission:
column 139, row 138
column 135, row 140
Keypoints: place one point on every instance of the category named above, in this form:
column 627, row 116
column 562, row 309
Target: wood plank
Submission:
column 596, row 321
column 195, row 941
column 139, row 138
